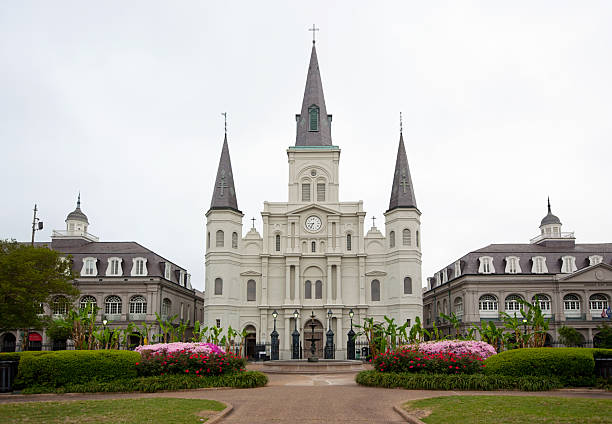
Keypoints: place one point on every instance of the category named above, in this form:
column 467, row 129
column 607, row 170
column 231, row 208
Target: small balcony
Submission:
column 137, row 317
column 560, row 236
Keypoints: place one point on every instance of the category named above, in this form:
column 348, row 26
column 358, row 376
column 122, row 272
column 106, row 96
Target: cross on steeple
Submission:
column 313, row 29
column 373, row 221
column 253, row 219
column 222, row 183
column 403, row 181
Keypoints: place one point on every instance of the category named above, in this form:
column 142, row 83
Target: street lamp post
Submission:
column 329, row 344
column 350, row 343
column 295, row 353
column 104, row 322
column 524, row 332
column 274, row 340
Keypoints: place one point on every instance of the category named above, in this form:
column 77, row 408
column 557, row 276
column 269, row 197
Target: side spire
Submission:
column 402, row 191
column 224, row 193
column 313, row 122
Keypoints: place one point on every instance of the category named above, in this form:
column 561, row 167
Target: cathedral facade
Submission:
column 314, row 256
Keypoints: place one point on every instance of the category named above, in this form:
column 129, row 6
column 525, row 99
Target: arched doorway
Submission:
column 548, row 341
column 313, row 329
column 9, row 342
column 34, row 341
column 249, row 341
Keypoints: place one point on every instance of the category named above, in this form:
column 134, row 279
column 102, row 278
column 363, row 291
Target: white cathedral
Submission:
column 314, row 255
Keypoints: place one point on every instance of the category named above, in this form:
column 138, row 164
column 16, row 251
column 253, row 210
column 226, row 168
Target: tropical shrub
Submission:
column 457, row 347
column 168, row 348
column 573, row 366
column 456, row 381
column 55, row 369
column 413, row 361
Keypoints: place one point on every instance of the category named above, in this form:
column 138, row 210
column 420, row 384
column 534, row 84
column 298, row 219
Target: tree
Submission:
column 569, row 336
column 603, row 339
column 29, row 277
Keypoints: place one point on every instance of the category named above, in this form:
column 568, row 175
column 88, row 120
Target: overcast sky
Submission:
column 504, row 104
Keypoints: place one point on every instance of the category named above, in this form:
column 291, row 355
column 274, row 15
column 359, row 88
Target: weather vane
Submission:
column 313, row 29
column 401, row 126
column 225, row 120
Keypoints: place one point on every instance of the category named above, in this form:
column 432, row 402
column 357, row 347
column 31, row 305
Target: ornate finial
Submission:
column 225, row 121
column 313, row 29
column 79, row 201
column 549, row 204
column 401, row 125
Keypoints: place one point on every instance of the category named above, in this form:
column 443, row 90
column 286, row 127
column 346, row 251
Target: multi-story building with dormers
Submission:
column 572, row 282
column 314, row 254
column 127, row 281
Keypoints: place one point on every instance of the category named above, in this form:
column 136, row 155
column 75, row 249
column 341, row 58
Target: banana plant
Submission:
column 454, row 321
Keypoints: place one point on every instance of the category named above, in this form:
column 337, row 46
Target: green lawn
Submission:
column 512, row 409
column 124, row 411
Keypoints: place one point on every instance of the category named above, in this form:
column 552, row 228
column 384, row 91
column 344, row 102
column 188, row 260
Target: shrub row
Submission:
column 456, row 381
column 242, row 380
column 414, row 361
column 59, row 368
column 182, row 362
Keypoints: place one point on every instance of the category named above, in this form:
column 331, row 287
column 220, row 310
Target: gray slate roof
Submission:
column 402, row 191
column 224, row 192
column 313, row 95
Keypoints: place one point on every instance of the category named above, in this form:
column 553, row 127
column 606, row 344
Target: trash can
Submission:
column 8, row 371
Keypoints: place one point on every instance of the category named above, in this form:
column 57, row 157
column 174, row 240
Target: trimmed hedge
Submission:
column 572, row 366
column 241, row 380
column 455, row 381
column 59, row 368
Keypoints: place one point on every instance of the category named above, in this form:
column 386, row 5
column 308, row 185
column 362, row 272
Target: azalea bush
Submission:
column 414, row 361
column 199, row 359
column 458, row 347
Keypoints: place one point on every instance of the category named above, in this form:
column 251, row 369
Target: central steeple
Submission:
column 313, row 123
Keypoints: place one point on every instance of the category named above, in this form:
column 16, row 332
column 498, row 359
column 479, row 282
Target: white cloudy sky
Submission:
column 505, row 103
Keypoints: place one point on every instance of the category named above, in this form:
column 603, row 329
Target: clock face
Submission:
column 313, row 223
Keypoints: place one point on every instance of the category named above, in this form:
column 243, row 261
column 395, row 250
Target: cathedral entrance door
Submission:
column 307, row 334
column 249, row 342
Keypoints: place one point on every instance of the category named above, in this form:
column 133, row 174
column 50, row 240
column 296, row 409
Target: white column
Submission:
column 287, row 341
column 329, row 284
column 296, row 283
column 339, row 284
column 340, row 343
column 287, row 283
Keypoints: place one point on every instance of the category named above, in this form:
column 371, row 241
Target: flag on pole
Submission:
column 603, row 313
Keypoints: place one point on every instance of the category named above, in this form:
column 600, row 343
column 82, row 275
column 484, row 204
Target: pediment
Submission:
column 375, row 273
column 313, row 206
column 250, row 273
column 600, row 273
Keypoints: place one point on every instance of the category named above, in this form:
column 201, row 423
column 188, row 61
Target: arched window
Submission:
column 597, row 303
column 138, row 305
column 305, row 192
column 407, row 285
column 487, row 303
column 313, row 247
column 392, row 239
column 251, row 290
column 220, row 237
column 571, row 302
column 277, row 242
column 112, row 305
column 166, row 305
column 234, row 240
column 218, row 286
column 307, row 290
column 418, row 239
column 406, row 237
column 320, row 192
column 318, row 289
column 348, row 242
column 59, row 305
column 375, row 291
column 543, row 301
column 458, row 306
column 313, row 118
column 512, row 303
column 87, row 302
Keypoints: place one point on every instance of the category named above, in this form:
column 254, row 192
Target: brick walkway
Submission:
column 306, row 399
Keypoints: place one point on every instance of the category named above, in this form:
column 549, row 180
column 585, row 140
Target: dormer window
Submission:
column 569, row 264
column 139, row 267
column 167, row 271
column 539, row 265
column 486, row 265
column 595, row 259
column 114, row 267
column 89, row 267
column 457, row 269
column 313, row 118
column 513, row 265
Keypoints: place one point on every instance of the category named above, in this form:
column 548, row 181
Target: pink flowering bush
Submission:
column 197, row 359
column 457, row 347
column 407, row 360
column 206, row 348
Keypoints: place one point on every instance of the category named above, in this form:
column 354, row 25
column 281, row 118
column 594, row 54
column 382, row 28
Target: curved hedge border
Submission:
column 455, row 381
column 59, row 368
column 242, row 380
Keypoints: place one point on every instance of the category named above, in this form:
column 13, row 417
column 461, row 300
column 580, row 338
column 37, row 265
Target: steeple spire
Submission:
column 79, row 201
column 402, row 192
column 224, row 193
column 313, row 122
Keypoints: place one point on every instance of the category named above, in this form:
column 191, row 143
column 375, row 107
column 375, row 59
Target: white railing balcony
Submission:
column 559, row 236
column 73, row 234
